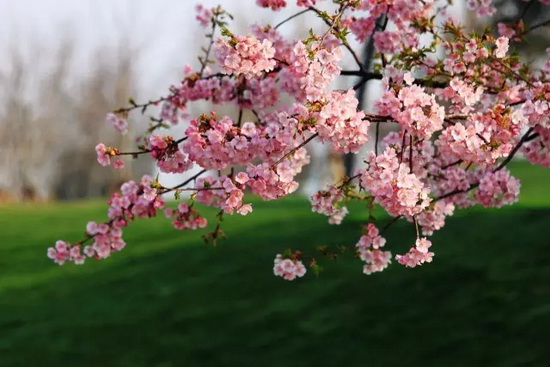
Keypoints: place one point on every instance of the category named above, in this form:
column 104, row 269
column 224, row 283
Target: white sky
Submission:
column 165, row 31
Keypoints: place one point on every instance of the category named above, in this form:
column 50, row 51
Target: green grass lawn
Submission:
column 170, row 300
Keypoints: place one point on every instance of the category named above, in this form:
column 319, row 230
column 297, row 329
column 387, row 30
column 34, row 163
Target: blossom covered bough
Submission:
column 461, row 106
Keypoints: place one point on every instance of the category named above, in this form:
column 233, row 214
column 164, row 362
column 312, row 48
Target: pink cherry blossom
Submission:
column 502, row 47
column 288, row 269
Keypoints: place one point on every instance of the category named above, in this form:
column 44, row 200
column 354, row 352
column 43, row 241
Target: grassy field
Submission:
column 169, row 300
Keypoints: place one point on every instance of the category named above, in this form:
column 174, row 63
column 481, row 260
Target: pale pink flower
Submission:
column 502, row 47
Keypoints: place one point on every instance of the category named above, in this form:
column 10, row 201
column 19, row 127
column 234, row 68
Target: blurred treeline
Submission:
column 53, row 103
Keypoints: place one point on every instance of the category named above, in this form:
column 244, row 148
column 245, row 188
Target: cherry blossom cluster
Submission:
column 538, row 150
column 169, row 154
column 63, row 251
column 245, row 55
column 311, row 68
column 433, row 218
column 418, row 112
column 393, row 186
column 278, row 4
column 481, row 7
column 417, row 255
column 327, row 202
column 340, row 123
column 497, row 189
column 185, row 217
column 288, row 269
column 484, row 137
column 369, row 250
column 135, row 200
column 460, row 105
column 224, row 193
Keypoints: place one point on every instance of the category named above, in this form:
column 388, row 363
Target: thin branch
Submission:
column 333, row 26
column 144, row 151
column 143, row 106
column 411, row 140
column 526, row 137
column 292, row 17
column 525, row 9
column 541, row 24
column 387, row 226
column 204, row 62
column 416, row 226
column 455, row 163
column 377, row 136
column 369, row 76
column 295, row 149
column 194, row 177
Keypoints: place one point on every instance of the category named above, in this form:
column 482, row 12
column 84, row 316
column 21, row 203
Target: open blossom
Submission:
column 103, row 154
column 119, row 123
column 203, row 14
column 245, row 55
column 466, row 93
column 305, row 2
column 387, row 41
column 60, row 253
column 502, row 47
column 134, row 200
column 169, row 155
column 505, row 30
column 118, row 164
column 288, row 269
column 262, row 93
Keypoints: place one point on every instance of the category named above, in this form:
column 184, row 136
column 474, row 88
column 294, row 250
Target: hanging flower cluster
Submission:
column 460, row 105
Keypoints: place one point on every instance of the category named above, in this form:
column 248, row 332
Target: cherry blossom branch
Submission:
column 455, row 163
column 376, row 137
column 204, row 61
column 295, row 149
column 411, row 140
column 144, row 151
column 192, row 178
column 333, row 26
column 525, row 9
column 539, row 25
column 390, row 223
column 292, row 17
column 200, row 188
column 526, row 138
column 370, row 75
column 143, row 106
